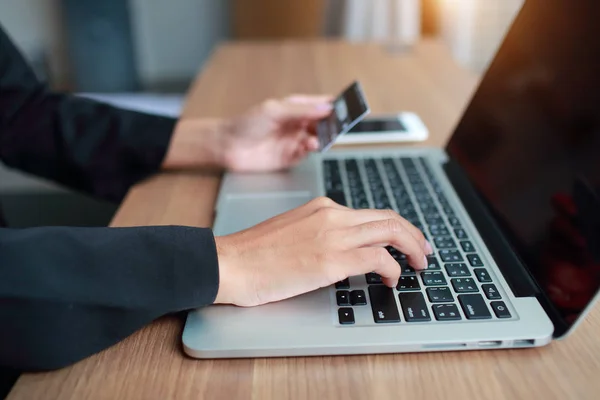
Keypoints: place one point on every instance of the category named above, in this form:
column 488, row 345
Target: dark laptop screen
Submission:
column 530, row 143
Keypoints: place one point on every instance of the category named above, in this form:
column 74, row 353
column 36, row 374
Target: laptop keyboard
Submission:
column 456, row 285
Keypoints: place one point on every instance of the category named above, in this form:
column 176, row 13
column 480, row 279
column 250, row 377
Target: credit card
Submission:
column 349, row 108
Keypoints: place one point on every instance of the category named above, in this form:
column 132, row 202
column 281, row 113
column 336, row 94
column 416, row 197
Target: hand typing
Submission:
column 310, row 247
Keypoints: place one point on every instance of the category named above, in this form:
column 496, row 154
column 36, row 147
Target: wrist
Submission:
column 224, row 256
column 197, row 143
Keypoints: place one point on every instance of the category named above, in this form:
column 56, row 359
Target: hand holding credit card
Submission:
column 349, row 108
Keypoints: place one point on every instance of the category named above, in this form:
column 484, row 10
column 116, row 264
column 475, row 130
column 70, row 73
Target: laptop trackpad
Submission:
column 243, row 211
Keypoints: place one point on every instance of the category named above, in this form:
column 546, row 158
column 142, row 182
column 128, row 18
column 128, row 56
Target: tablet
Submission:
column 390, row 128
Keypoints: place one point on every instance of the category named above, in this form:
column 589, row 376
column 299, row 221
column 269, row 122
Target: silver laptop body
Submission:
column 480, row 294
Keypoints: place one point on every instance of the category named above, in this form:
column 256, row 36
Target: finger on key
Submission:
column 357, row 217
column 369, row 259
column 387, row 232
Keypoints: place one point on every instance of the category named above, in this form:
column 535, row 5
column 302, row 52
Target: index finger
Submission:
column 387, row 232
column 365, row 260
column 356, row 217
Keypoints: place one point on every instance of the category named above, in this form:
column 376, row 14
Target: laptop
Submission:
column 511, row 206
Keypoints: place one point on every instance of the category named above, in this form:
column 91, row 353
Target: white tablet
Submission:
column 401, row 127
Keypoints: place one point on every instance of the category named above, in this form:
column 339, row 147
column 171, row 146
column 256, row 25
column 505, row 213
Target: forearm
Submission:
column 197, row 143
column 67, row 293
column 88, row 146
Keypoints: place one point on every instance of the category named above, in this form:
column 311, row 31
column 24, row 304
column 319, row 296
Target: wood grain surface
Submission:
column 151, row 365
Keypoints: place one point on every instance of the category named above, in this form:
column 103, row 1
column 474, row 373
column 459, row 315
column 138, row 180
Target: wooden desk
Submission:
column 151, row 365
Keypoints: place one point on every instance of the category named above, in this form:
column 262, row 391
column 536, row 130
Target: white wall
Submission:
column 174, row 38
column 386, row 21
column 172, row 41
column 36, row 26
column 475, row 28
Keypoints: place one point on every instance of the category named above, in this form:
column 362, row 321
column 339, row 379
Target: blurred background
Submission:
column 143, row 54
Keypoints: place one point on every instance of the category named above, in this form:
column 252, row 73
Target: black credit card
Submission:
column 349, row 108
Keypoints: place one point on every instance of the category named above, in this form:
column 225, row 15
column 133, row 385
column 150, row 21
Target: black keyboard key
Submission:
column 446, row 312
column 362, row 204
column 330, row 165
column 474, row 260
column 454, row 222
column 343, row 297
column 435, row 278
column 351, row 165
column 467, row 246
column 460, row 234
column 482, row 275
column 345, row 284
column 457, row 270
column 427, row 207
column 425, row 165
column 474, row 306
column 398, row 256
column 383, row 304
column 406, row 269
column 338, row 196
column 448, row 210
column 444, row 242
column 418, row 187
column 373, row 278
column 434, row 221
column 378, row 192
column 440, row 294
column 389, row 163
column 464, row 285
column 331, row 176
column 358, row 298
column 408, row 283
column 413, row 218
column 500, row 309
column 382, row 205
column 408, row 212
column 452, row 256
column 438, row 230
column 401, row 195
column 424, row 198
column 346, row 315
column 491, row 292
column 437, row 188
column 413, row 176
column 432, row 263
column 407, row 162
column 414, row 307
column 433, row 214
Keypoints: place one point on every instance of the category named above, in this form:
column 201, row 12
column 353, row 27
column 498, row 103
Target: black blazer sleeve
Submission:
column 67, row 293
column 83, row 144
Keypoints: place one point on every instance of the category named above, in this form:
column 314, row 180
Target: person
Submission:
column 67, row 293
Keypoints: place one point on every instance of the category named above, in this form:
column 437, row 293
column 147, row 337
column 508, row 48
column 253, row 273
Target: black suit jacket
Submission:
column 66, row 293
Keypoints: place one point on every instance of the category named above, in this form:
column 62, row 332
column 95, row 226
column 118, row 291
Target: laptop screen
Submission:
column 530, row 143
